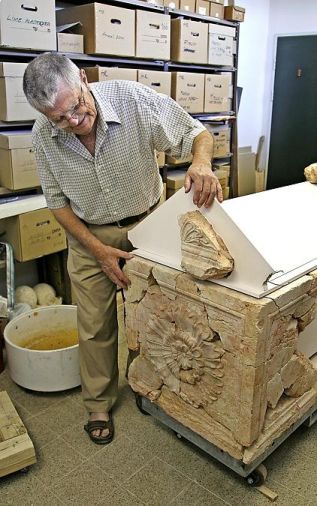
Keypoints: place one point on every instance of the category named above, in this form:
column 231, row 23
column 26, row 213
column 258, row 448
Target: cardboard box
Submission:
column 234, row 13
column 34, row 234
column 13, row 103
column 153, row 35
column 106, row 29
column 217, row 93
column 187, row 5
column 246, row 171
column 160, row 158
column 189, row 41
column 221, row 2
column 188, row 90
column 221, row 136
column 202, row 7
column 221, row 45
column 216, row 10
column 171, row 160
column 175, row 179
column 172, row 4
column 109, row 73
column 70, row 43
column 223, row 177
column 17, row 161
column 28, row 25
column 158, row 81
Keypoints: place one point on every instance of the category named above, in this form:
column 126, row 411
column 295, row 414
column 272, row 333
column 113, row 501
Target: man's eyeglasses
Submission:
column 73, row 113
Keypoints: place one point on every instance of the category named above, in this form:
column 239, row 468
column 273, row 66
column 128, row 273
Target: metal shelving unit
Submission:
column 228, row 118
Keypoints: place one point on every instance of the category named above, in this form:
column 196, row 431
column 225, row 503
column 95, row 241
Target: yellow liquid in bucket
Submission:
column 51, row 340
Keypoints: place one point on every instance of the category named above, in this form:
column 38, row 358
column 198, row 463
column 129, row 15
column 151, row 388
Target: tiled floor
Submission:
column 145, row 464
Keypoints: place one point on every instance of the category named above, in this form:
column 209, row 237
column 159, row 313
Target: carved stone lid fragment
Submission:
column 204, row 254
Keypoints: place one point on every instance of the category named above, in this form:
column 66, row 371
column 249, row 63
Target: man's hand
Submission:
column 206, row 184
column 109, row 259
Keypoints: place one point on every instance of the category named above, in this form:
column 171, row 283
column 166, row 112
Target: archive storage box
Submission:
column 221, row 47
column 13, row 103
column 188, row 90
column 158, row 81
column 174, row 181
column 189, row 41
column 70, row 43
column 216, row 10
column 217, row 93
column 106, row 29
column 28, row 25
column 17, row 161
column 221, row 136
column 202, row 7
column 187, row 5
column 153, row 35
column 34, row 234
column 109, row 73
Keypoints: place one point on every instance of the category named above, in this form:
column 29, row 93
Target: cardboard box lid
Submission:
column 10, row 69
column 229, row 31
column 16, row 139
column 237, row 8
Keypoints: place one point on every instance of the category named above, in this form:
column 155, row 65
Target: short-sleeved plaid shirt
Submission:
column 122, row 179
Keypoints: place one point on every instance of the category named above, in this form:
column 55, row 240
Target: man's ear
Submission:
column 83, row 77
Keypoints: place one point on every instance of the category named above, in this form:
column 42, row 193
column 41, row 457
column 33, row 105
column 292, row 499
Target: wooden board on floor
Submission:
column 16, row 448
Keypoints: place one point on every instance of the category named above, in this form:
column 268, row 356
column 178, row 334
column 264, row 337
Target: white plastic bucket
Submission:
column 47, row 370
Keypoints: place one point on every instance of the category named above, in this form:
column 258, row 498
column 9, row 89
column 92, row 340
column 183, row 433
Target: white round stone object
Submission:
column 26, row 295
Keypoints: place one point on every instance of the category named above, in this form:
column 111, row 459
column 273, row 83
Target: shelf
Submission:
column 198, row 66
column 216, row 117
column 13, row 125
column 23, row 205
column 124, row 3
column 200, row 17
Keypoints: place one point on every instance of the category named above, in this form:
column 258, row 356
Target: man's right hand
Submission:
column 109, row 259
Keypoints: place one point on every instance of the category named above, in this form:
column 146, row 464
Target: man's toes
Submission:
column 96, row 433
column 105, row 433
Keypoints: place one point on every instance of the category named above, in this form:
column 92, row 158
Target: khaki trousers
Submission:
column 97, row 318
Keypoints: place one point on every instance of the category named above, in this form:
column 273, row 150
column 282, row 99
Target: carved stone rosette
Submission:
column 220, row 362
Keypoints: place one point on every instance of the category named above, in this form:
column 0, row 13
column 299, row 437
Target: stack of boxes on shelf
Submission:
column 103, row 29
column 34, row 233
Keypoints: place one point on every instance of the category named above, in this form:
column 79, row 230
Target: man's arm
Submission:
column 107, row 256
column 206, row 184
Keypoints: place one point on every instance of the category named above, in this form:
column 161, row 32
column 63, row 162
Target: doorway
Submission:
column 293, row 143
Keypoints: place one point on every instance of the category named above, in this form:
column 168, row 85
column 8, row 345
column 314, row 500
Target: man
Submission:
column 94, row 148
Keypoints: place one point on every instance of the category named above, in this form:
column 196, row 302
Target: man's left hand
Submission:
column 206, row 184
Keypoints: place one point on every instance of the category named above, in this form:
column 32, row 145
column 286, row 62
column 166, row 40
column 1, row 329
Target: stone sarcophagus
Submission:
column 223, row 357
column 222, row 363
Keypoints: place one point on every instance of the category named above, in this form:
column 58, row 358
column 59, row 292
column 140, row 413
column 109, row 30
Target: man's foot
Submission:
column 99, row 416
column 100, row 428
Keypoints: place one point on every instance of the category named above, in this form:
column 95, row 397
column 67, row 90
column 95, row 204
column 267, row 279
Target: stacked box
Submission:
column 106, row 29
column 188, row 90
column 17, row 161
column 189, row 41
column 217, row 93
column 157, row 80
column 109, row 73
column 153, row 32
column 221, row 47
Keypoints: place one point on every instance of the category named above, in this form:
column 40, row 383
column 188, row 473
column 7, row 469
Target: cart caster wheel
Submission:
column 24, row 470
column 179, row 436
column 257, row 477
column 138, row 401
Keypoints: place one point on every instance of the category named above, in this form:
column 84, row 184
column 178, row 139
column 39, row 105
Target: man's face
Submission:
column 74, row 110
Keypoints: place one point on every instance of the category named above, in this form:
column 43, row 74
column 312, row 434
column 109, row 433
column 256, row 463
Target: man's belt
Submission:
column 125, row 222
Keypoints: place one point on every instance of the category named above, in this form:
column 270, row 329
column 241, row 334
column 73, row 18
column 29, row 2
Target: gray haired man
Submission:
column 94, row 148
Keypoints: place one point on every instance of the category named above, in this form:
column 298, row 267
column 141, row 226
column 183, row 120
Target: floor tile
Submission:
column 121, row 458
column 85, row 485
column 122, row 497
column 63, row 415
column 39, row 433
column 20, row 488
column 56, row 460
column 194, row 495
column 157, row 483
column 78, row 439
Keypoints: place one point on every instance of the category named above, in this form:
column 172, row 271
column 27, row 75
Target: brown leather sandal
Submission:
column 91, row 426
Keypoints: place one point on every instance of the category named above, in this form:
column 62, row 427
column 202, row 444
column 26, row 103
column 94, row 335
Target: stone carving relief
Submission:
column 204, row 254
column 185, row 353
